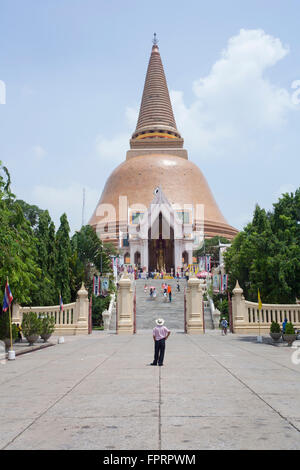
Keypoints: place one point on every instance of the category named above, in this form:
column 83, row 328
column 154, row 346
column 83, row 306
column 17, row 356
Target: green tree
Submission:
column 211, row 247
column 17, row 245
column 88, row 255
column 63, row 250
column 266, row 254
column 46, row 255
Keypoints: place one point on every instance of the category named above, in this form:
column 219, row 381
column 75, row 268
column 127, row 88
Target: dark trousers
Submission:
column 159, row 351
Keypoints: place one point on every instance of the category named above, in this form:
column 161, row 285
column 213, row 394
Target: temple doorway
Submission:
column 161, row 246
column 137, row 258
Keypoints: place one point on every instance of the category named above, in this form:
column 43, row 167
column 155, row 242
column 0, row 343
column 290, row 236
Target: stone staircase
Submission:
column 208, row 322
column 149, row 309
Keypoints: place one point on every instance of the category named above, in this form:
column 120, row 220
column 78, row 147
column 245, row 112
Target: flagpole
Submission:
column 11, row 353
column 9, row 315
column 10, row 329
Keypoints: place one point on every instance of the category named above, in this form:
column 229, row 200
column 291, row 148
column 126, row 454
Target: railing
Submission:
column 72, row 320
column 248, row 318
column 272, row 312
column 107, row 314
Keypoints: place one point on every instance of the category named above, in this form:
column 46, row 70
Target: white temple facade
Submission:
column 161, row 237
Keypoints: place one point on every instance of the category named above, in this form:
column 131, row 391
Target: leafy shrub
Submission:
column 275, row 327
column 47, row 326
column 31, row 324
column 289, row 329
column 4, row 327
column 221, row 303
column 99, row 304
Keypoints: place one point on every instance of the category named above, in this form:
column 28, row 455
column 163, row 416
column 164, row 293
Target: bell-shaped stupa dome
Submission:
column 156, row 158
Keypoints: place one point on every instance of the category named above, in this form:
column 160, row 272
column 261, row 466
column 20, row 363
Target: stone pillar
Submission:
column 16, row 314
column 216, row 315
column 106, row 319
column 125, row 306
column 190, row 256
column 177, row 254
column 194, row 306
column 144, row 255
column 82, row 312
column 238, row 306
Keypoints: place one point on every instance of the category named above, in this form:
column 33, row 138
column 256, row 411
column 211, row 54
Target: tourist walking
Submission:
column 170, row 293
column 224, row 325
column 19, row 330
column 178, row 286
column 160, row 334
column 284, row 325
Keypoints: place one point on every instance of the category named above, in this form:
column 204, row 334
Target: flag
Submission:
column 225, row 282
column 259, row 301
column 61, row 305
column 207, row 263
column 8, row 298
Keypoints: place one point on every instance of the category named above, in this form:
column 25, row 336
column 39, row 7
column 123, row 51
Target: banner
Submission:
column 104, row 286
column 224, row 282
column 216, row 282
column 207, row 263
column 202, row 264
column 96, row 285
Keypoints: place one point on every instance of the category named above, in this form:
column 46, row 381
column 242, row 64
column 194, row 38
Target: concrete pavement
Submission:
column 98, row 392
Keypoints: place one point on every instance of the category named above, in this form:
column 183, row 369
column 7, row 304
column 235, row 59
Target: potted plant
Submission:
column 47, row 327
column 289, row 335
column 5, row 330
column 31, row 327
column 275, row 331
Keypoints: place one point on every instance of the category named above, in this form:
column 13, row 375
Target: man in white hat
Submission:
column 160, row 334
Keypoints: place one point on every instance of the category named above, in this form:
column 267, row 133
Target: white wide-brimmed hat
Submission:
column 160, row 321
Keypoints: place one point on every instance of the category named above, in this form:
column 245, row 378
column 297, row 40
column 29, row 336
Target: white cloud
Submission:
column 131, row 115
column 284, row 188
column 233, row 104
column 114, row 149
column 38, row 152
column 235, row 100
column 67, row 199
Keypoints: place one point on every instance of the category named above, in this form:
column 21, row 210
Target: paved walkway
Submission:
column 97, row 392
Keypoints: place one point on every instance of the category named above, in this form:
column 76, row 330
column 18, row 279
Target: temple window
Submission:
column 184, row 217
column 135, row 217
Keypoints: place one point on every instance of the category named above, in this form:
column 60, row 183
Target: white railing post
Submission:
column 239, row 312
column 17, row 316
column 125, row 306
column 194, row 306
column 82, row 311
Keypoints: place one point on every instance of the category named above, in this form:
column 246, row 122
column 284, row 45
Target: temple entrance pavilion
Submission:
column 161, row 248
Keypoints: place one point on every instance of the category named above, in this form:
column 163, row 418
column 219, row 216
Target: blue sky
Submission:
column 74, row 72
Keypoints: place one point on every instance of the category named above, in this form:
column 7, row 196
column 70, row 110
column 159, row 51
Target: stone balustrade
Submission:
column 247, row 318
column 72, row 320
column 106, row 314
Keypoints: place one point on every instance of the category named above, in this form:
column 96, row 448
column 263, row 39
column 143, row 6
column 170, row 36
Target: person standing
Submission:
column 19, row 329
column 224, row 324
column 170, row 293
column 160, row 334
column 284, row 325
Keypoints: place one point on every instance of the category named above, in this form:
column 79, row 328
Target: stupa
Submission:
column 156, row 206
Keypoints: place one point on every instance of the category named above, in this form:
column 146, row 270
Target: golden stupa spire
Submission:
column 156, row 119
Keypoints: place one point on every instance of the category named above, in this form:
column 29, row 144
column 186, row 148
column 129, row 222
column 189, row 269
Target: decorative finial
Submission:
column 155, row 40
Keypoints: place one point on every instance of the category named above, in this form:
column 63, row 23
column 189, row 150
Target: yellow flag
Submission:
column 259, row 301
